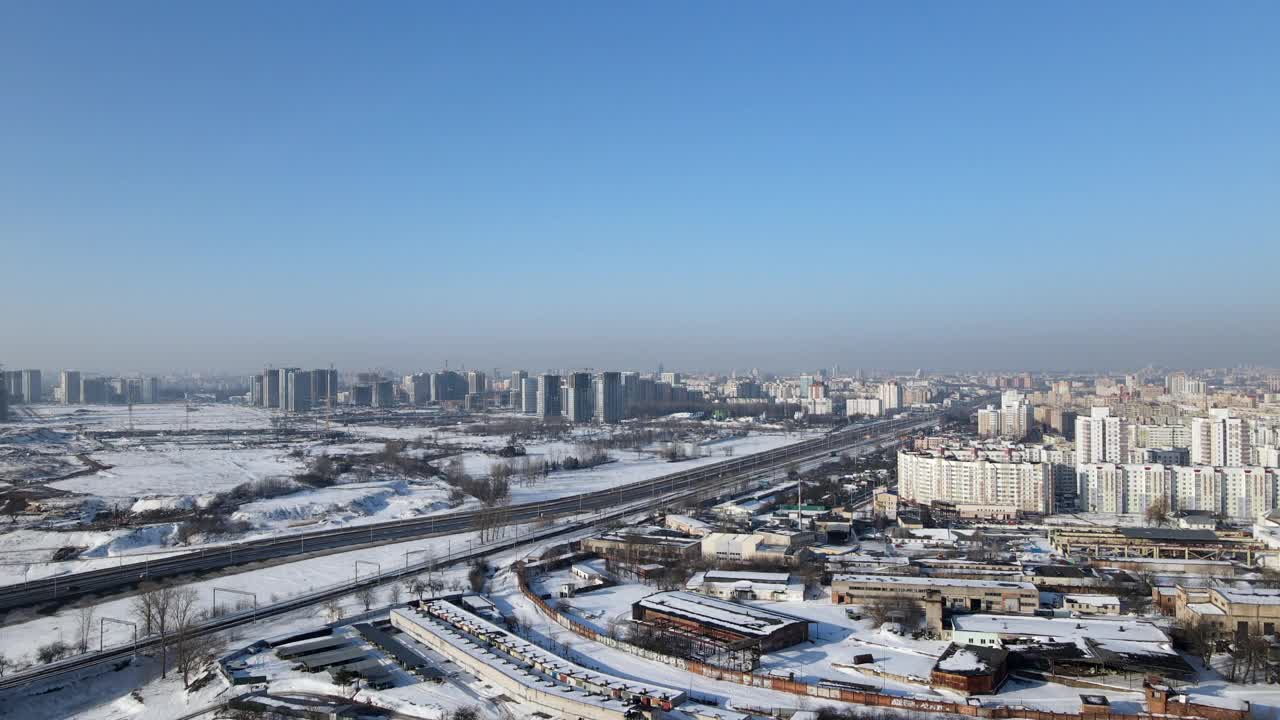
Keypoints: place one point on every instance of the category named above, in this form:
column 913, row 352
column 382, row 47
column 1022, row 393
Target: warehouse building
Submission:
column 720, row 620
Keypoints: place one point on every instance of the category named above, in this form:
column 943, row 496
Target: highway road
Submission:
column 66, row 587
column 612, row 504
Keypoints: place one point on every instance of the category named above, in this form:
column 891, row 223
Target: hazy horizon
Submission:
column 974, row 186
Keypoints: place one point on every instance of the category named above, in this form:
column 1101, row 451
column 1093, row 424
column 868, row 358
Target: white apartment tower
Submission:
column 890, row 395
column 1101, row 438
column 1220, row 440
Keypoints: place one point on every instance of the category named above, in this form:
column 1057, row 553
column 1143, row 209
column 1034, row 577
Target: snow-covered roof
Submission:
column 1092, row 599
column 1205, row 609
column 450, row 622
column 931, row 581
column 1255, row 596
column 730, row 575
column 743, row 619
column 1060, row 628
column 1218, row 701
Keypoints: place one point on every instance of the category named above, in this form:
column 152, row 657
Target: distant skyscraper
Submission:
column 448, row 386
column 418, row 388
column 579, row 405
column 548, row 396
column 670, row 378
column 890, row 396
column 1221, row 440
column 476, row 382
column 70, row 387
column 1101, row 438
column 324, row 388
column 517, row 377
column 93, row 391
column 630, row 391
column 151, row 390
column 4, row 403
column 255, row 390
column 283, row 378
column 298, row 390
column 384, row 393
column 32, row 389
column 270, row 388
column 609, row 397
column 528, row 395
column 13, row 384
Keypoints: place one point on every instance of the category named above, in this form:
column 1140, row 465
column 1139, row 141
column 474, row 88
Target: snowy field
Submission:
column 179, row 471
column 181, row 474
column 164, row 416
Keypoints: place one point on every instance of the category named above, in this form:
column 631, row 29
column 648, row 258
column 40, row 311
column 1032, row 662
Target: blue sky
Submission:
column 702, row 184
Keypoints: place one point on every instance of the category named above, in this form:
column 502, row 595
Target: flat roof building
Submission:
column 721, row 620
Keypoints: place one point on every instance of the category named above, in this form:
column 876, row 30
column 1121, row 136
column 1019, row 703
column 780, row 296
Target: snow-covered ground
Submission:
column 163, row 416
column 180, row 473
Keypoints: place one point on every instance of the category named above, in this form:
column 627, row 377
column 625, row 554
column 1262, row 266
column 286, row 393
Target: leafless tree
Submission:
column 395, row 592
column 1202, row 636
column 367, row 596
column 84, row 626
column 153, row 607
column 333, row 609
column 1157, row 512
column 895, row 608
column 191, row 649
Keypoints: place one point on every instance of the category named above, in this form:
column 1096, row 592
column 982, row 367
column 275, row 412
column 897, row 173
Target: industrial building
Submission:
column 720, row 620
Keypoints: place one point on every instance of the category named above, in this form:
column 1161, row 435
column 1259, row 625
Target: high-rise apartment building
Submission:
column 548, row 396
column 1221, row 440
column 517, row 380
column 384, row 394
column 255, row 390
column 32, row 387
column 630, row 391
column 448, row 386
column 528, row 396
column 609, row 397
column 1015, row 418
column 1101, row 438
column 270, row 388
column 476, row 382
column 418, row 387
column 70, row 383
column 578, row 401
column 890, row 396
column 984, row 485
column 13, row 386
column 150, row 390
column 297, row 384
column 863, row 406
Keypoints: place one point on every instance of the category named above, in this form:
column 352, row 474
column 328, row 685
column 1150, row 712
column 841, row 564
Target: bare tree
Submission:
column 1158, row 511
column 367, row 596
column 1202, row 636
column 895, row 608
column 333, row 609
column 395, row 592
column 153, row 608
column 191, row 649
column 84, row 626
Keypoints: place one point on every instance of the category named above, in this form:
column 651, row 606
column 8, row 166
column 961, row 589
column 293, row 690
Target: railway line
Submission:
column 609, row 505
column 67, row 587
